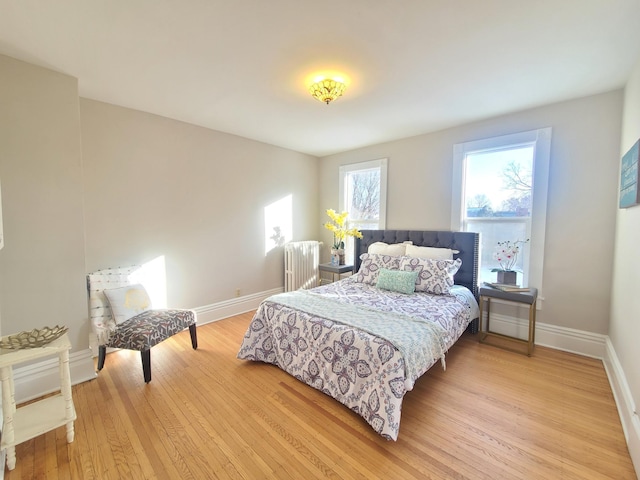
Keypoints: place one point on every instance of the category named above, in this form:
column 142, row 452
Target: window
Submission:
column 363, row 193
column 500, row 190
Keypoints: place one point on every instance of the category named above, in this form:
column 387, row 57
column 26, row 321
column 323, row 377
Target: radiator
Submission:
column 301, row 265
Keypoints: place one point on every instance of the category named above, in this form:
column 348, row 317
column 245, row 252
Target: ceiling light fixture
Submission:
column 327, row 89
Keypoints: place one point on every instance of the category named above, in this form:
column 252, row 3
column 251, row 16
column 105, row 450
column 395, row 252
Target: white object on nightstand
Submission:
column 39, row 417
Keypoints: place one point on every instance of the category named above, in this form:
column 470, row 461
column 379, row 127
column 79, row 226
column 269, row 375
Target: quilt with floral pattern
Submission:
column 359, row 344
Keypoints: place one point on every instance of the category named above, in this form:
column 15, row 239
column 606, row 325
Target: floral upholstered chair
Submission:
column 122, row 317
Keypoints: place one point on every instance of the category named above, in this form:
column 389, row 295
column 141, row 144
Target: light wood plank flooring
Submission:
column 493, row 414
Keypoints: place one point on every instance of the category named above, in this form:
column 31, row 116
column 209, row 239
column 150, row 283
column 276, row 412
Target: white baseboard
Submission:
column 560, row 338
column 590, row 345
column 38, row 379
column 215, row 311
column 235, row 306
column 35, row 380
column 624, row 402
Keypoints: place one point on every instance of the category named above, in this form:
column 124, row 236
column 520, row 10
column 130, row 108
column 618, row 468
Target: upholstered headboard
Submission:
column 467, row 244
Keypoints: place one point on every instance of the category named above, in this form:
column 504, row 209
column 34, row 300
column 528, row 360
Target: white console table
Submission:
column 36, row 418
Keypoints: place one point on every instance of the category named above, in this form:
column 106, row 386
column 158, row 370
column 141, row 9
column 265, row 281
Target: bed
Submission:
column 366, row 339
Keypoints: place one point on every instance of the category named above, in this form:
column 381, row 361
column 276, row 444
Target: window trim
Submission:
column 541, row 139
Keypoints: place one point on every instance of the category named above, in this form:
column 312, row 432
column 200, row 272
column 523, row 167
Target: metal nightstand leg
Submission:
column 532, row 329
column 486, row 332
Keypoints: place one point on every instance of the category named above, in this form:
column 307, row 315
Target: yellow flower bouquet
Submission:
column 338, row 227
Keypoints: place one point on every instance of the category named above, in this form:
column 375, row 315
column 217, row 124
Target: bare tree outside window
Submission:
column 498, row 192
column 479, row 206
column 515, row 194
column 365, row 195
column 517, row 180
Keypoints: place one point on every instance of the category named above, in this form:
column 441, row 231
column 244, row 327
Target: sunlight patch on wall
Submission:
column 153, row 276
column 278, row 223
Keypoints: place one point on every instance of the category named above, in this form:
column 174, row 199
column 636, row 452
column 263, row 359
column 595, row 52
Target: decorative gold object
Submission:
column 327, row 89
column 34, row 338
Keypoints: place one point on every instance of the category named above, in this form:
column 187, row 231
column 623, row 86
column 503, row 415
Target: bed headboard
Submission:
column 467, row 244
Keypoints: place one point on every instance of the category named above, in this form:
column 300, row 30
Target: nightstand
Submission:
column 334, row 270
column 24, row 423
column 529, row 298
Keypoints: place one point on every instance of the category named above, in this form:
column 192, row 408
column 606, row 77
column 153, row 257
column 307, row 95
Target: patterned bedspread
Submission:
column 365, row 371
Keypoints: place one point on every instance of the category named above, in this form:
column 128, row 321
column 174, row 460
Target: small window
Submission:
column 363, row 193
column 500, row 190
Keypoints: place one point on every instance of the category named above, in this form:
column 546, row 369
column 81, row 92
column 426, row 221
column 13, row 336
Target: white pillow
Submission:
column 372, row 263
column 434, row 276
column 430, row 252
column 393, row 250
column 127, row 302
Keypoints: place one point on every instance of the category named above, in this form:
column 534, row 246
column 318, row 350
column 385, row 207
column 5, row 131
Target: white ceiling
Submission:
column 414, row 66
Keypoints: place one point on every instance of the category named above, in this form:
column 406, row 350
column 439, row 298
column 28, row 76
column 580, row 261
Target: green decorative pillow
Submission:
column 397, row 280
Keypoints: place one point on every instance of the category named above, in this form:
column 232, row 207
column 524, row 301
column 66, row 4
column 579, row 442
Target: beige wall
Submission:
column 581, row 202
column 86, row 185
column 42, row 264
column 155, row 186
column 625, row 311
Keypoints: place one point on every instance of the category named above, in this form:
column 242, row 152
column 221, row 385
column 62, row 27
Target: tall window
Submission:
column 363, row 193
column 500, row 190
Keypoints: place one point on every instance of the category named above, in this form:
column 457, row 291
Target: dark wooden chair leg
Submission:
column 194, row 336
column 146, row 364
column 102, row 353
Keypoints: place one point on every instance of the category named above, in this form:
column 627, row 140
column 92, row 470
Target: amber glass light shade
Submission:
column 327, row 90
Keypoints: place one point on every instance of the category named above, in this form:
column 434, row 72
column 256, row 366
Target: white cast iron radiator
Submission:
column 301, row 265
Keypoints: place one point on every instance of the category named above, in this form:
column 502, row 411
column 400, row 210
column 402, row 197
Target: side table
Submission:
column 528, row 298
column 39, row 417
column 335, row 269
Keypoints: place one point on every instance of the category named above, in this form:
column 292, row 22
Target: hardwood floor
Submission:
column 493, row 414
